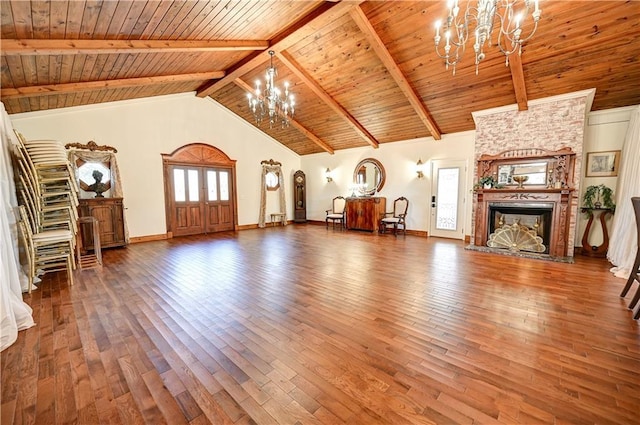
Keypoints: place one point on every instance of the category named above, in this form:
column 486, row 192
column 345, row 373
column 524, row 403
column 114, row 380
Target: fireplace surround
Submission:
column 535, row 216
column 547, row 203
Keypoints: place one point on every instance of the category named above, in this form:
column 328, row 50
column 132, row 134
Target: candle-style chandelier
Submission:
column 272, row 103
column 479, row 20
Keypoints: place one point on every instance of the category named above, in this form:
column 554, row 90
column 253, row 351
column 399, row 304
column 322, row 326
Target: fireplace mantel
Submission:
column 559, row 198
column 554, row 188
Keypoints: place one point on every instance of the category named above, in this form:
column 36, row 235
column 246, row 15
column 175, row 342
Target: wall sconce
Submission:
column 420, row 168
column 327, row 174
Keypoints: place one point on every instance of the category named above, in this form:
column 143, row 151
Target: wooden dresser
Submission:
column 109, row 213
column 365, row 213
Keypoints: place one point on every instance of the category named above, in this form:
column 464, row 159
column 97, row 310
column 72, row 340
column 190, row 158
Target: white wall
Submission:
column 143, row 129
column 604, row 131
column 399, row 160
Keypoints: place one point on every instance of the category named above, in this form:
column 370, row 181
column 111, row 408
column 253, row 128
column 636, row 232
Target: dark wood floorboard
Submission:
column 304, row 325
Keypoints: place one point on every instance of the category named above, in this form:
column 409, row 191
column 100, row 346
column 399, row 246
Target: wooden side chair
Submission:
column 337, row 212
column 635, row 270
column 396, row 218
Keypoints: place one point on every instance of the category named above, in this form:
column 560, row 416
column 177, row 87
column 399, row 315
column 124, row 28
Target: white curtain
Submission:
column 15, row 315
column 623, row 243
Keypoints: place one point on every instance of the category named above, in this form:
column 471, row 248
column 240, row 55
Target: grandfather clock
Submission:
column 299, row 197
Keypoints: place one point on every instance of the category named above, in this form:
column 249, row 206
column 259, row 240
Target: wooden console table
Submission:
column 592, row 250
column 365, row 213
column 110, row 214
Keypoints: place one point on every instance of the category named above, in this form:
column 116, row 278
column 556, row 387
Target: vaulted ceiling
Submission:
column 364, row 73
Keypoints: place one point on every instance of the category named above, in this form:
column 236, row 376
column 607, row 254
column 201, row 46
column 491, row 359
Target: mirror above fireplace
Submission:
column 533, row 173
column 535, row 168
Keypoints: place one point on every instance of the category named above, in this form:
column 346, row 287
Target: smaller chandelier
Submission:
column 272, row 103
column 480, row 20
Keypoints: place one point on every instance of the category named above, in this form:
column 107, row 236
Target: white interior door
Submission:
column 448, row 197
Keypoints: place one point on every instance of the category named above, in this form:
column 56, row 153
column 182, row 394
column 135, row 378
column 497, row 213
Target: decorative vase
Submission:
column 520, row 180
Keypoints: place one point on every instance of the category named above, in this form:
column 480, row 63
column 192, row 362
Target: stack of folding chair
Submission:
column 47, row 192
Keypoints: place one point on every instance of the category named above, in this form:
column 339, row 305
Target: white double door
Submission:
column 448, row 179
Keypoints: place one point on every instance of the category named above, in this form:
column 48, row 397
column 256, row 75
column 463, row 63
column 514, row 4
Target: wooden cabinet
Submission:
column 365, row 213
column 109, row 213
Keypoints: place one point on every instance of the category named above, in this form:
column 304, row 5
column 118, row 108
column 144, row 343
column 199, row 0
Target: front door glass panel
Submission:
column 447, row 206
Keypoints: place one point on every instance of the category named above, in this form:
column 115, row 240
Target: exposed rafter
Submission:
column 358, row 15
column 72, row 47
column 517, row 76
column 306, row 26
column 51, row 89
column 244, row 86
column 288, row 60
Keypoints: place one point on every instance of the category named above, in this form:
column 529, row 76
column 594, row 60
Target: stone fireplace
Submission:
column 550, row 128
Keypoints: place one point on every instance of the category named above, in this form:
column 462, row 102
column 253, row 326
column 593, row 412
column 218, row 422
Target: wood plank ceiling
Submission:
column 364, row 73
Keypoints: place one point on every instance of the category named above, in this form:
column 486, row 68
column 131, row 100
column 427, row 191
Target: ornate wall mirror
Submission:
column 369, row 176
column 94, row 176
column 530, row 173
column 96, row 170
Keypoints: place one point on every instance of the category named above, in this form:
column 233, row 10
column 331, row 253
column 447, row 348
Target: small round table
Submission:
column 593, row 250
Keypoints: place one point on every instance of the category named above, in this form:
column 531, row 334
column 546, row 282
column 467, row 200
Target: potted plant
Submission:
column 485, row 182
column 598, row 196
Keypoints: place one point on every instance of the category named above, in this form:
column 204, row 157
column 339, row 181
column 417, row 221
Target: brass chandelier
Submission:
column 479, row 20
column 273, row 103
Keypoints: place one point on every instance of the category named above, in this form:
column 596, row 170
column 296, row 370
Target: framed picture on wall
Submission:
column 603, row 164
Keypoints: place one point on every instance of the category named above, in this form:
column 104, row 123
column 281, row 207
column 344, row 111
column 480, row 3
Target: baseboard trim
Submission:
column 247, row 227
column 149, row 238
column 169, row 235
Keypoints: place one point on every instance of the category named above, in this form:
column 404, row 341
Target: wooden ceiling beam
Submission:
column 295, row 67
column 326, row 12
column 358, row 15
column 517, row 77
column 72, row 47
column 315, row 139
column 51, row 89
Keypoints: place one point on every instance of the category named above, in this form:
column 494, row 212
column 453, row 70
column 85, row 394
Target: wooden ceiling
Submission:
column 364, row 73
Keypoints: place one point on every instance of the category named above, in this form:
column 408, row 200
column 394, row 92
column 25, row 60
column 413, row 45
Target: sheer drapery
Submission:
column 623, row 243
column 105, row 158
column 266, row 169
column 15, row 314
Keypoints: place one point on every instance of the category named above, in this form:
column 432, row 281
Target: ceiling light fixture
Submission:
column 480, row 20
column 271, row 103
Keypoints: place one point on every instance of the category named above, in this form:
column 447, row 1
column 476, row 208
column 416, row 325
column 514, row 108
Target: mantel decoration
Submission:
column 271, row 102
column 488, row 182
column 598, row 196
column 481, row 17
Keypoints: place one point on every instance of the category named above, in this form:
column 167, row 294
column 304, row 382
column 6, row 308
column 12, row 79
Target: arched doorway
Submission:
column 199, row 188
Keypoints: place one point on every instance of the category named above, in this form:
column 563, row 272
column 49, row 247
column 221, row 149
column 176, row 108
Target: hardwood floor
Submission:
column 303, row 325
